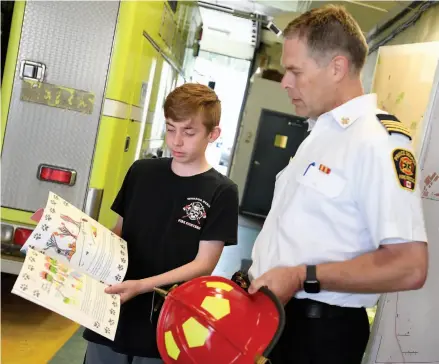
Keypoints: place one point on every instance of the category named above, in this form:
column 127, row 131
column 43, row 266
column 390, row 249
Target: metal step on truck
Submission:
column 83, row 84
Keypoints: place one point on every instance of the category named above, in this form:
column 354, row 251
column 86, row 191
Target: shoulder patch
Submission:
column 405, row 168
column 393, row 125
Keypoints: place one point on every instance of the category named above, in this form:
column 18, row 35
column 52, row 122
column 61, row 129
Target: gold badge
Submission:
column 345, row 121
column 405, row 168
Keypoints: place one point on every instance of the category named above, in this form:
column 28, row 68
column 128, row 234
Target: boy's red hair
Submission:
column 193, row 100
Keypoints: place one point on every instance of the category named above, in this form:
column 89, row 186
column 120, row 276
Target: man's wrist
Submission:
column 301, row 274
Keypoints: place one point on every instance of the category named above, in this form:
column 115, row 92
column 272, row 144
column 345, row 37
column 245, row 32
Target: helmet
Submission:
column 213, row 320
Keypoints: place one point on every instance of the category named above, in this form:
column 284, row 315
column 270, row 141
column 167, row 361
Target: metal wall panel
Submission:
column 74, row 40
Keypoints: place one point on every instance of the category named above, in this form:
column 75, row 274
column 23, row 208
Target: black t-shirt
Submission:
column 165, row 216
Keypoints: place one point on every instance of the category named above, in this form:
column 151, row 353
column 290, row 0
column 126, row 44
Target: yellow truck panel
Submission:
column 152, row 47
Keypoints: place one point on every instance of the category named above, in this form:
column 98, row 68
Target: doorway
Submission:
column 278, row 137
column 228, row 77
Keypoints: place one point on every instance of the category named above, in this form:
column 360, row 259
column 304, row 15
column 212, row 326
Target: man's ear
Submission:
column 214, row 134
column 340, row 67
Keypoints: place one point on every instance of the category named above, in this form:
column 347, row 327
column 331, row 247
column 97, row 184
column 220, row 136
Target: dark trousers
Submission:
column 317, row 333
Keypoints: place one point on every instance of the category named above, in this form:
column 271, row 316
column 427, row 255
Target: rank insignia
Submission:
column 345, row 121
column 393, row 125
column 324, row 169
column 405, row 168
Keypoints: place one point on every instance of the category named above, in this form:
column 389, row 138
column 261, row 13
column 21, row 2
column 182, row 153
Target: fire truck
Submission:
column 83, row 84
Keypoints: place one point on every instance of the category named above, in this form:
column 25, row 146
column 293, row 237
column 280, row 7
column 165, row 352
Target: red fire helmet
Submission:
column 213, row 320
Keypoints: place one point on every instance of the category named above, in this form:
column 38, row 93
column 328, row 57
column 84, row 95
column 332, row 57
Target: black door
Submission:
column 278, row 137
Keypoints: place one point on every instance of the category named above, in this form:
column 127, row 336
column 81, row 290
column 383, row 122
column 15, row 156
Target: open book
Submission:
column 70, row 260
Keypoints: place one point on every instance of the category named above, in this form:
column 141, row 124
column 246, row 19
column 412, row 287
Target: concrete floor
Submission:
column 31, row 334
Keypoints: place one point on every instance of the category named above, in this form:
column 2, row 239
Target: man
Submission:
column 346, row 221
column 176, row 215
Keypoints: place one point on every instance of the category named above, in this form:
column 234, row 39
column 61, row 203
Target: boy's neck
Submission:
column 193, row 168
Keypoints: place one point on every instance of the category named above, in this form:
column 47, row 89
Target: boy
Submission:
column 176, row 215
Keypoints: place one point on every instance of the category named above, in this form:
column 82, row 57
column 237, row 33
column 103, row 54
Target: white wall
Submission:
column 263, row 94
column 425, row 30
column 406, row 326
column 407, row 323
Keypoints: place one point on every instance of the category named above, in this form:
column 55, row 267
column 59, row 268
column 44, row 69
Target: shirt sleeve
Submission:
column 389, row 194
column 222, row 219
column 120, row 201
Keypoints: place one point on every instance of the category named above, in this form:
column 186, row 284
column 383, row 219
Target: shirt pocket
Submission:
column 329, row 184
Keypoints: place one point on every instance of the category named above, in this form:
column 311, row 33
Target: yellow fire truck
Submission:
column 82, row 94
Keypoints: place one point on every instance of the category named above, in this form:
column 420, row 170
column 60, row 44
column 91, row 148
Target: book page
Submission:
column 49, row 283
column 75, row 239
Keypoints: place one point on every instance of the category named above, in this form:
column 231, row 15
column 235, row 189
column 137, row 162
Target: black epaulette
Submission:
column 393, row 125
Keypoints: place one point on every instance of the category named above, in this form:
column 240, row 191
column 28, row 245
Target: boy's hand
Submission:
column 126, row 290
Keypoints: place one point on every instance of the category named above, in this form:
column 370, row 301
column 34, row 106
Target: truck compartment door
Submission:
column 54, row 112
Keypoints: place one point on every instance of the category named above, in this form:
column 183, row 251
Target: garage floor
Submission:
column 32, row 334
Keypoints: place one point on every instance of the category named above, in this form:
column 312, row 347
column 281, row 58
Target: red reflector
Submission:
column 56, row 175
column 21, row 235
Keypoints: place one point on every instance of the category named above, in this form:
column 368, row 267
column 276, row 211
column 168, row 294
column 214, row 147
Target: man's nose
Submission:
column 287, row 81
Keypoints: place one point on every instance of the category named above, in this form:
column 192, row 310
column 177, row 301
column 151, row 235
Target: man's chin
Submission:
column 301, row 111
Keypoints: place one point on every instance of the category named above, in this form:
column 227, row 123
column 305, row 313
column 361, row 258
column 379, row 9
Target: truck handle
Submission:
column 127, row 143
column 93, row 202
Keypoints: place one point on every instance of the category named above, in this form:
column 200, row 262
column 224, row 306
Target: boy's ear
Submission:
column 214, row 134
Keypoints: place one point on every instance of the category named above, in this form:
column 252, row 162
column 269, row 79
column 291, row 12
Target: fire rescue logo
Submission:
column 405, row 168
column 194, row 213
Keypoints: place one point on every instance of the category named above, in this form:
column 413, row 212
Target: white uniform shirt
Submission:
column 342, row 196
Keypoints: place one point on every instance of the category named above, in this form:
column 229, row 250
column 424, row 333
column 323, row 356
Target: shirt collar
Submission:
column 346, row 114
column 311, row 123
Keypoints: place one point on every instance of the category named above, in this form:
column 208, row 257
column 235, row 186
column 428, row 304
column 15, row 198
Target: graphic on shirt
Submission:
column 405, row 168
column 194, row 212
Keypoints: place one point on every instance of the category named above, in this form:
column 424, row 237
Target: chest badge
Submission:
column 324, row 169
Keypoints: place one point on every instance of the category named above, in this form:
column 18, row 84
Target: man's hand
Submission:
column 128, row 289
column 284, row 282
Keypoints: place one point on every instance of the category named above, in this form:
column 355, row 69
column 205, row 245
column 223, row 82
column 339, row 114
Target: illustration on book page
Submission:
column 49, row 283
column 67, row 234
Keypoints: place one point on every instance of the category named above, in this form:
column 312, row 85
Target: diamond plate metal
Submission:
column 74, row 40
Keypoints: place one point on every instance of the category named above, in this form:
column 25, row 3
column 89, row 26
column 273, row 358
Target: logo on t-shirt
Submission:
column 194, row 212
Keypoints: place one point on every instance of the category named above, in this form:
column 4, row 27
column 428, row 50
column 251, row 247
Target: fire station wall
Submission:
column 263, row 94
column 425, row 30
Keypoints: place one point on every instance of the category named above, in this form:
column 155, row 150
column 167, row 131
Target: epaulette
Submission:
column 393, row 125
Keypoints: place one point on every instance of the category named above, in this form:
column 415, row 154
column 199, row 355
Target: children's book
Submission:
column 70, row 260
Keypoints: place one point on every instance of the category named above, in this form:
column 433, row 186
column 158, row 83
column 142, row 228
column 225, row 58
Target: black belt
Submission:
column 314, row 309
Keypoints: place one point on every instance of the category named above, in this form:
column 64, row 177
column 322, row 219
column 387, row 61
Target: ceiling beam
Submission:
column 366, row 5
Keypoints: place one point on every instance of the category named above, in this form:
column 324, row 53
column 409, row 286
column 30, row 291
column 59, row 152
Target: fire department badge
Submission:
column 195, row 211
column 405, row 168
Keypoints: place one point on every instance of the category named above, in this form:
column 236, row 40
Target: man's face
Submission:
column 187, row 140
column 309, row 85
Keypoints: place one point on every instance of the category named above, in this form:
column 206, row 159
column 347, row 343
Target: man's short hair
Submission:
column 192, row 100
column 328, row 30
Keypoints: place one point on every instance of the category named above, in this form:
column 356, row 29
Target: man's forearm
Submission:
column 384, row 270
column 186, row 272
